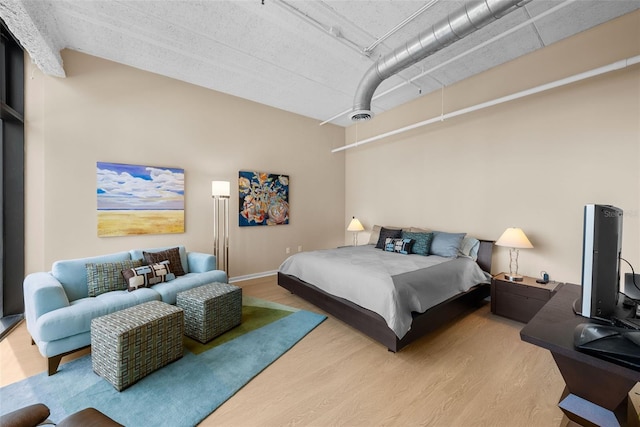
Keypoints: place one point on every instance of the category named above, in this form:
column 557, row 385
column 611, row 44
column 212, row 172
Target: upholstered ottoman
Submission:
column 129, row 344
column 210, row 310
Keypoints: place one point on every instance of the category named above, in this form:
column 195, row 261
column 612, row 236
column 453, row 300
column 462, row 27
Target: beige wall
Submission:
column 531, row 163
column 104, row 111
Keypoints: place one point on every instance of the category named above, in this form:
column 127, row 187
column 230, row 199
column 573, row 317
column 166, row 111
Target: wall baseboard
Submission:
column 253, row 276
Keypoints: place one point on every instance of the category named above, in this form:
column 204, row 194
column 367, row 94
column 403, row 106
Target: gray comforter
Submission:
column 390, row 284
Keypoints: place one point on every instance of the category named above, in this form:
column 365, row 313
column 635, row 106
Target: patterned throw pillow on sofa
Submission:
column 172, row 255
column 106, row 277
column 148, row 275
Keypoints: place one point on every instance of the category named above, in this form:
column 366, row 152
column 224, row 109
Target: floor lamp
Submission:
column 221, row 191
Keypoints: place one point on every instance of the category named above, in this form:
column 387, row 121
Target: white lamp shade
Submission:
column 355, row 225
column 514, row 237
column 220, row 188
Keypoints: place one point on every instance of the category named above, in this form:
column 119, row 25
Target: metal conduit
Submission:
column 466, row 20
column 618, row 65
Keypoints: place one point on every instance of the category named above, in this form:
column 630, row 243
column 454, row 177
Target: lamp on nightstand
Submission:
column 356, row 227
column 515, row 239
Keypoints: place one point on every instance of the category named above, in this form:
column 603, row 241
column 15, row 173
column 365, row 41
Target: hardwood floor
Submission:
column 473, row 372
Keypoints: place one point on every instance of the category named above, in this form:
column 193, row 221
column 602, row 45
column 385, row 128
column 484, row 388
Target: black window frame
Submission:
column 11, row 180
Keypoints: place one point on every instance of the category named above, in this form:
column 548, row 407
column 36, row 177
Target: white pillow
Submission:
column 469, row 247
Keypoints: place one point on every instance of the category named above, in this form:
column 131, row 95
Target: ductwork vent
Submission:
column 359, row 115
column 464, row 21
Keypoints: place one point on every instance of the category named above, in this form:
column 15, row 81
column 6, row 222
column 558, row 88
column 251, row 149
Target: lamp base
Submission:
column 513, row 277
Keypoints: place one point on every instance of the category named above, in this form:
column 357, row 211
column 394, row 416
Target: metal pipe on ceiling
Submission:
column 618, row 65
column 461, row 55
column 395, row 29
column 466, row 20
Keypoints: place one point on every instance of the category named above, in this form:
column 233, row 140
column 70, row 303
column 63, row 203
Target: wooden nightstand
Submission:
column 519, row 300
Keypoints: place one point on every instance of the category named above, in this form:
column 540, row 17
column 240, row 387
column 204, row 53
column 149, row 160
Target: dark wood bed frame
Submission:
column 373, row 325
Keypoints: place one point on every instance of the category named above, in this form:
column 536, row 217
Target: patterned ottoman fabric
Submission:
column 129, row 344
column 210, row 310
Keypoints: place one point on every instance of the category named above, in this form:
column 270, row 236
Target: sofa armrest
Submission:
column 32, row 415
column 42, row 293
column 200, row 262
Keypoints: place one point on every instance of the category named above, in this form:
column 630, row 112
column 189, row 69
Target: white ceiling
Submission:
column 306, row 56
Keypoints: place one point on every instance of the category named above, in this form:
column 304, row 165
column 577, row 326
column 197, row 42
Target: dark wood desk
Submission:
column 596, row 390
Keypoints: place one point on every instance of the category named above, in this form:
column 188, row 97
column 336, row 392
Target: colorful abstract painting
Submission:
column 264, row 198
column 135, row 199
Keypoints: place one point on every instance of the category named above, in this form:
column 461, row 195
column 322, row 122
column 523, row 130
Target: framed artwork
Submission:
column 263, row 198
column 136, row 199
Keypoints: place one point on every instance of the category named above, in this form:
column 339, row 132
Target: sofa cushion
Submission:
column 76, row 319
column 169, row 290
column 72, row 273
column 147, row 275
column 107, row 276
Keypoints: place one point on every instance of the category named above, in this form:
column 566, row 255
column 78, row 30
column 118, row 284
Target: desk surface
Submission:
column 553, row 326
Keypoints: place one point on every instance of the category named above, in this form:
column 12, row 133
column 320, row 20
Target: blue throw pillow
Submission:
column 422, row 242
column 446, row 244
column 386, row 233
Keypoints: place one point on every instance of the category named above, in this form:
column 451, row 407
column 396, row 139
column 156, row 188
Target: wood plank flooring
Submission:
column 473, row 372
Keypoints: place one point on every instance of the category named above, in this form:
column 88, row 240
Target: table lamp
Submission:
column 356, row 227
column 515, row 239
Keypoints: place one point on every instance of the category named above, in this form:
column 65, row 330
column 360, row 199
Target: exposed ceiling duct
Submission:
column 286, row 53
column 466, row 20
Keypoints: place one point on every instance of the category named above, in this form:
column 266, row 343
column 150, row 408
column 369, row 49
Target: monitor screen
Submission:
column 602, row 244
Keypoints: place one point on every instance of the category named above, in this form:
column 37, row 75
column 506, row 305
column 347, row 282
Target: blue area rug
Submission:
column 182, row 393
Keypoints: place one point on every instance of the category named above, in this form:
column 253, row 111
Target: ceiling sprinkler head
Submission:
column 335, row 31
column 359, row 115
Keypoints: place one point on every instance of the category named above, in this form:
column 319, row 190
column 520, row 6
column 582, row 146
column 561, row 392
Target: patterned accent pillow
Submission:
column 148, row 275
column 401, row 246
column 422, row 242
column 386, row 233
column 106, row 277
column 172, row 255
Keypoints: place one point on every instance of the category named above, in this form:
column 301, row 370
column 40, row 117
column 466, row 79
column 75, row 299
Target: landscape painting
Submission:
column 136, row 199
column 263, row 198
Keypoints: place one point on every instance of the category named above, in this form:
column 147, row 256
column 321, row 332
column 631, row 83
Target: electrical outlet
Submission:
column 287, row 251
column 300, row 248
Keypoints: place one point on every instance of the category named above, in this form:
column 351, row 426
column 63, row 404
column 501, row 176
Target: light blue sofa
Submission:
column 58, row 309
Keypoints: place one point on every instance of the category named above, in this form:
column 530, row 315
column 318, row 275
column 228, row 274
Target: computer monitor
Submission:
column 601, row 247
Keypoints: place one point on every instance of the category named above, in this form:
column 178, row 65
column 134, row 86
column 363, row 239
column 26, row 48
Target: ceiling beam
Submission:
column 35, row 42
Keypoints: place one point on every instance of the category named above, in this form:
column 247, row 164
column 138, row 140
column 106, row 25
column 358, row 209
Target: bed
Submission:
column 373, row 322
